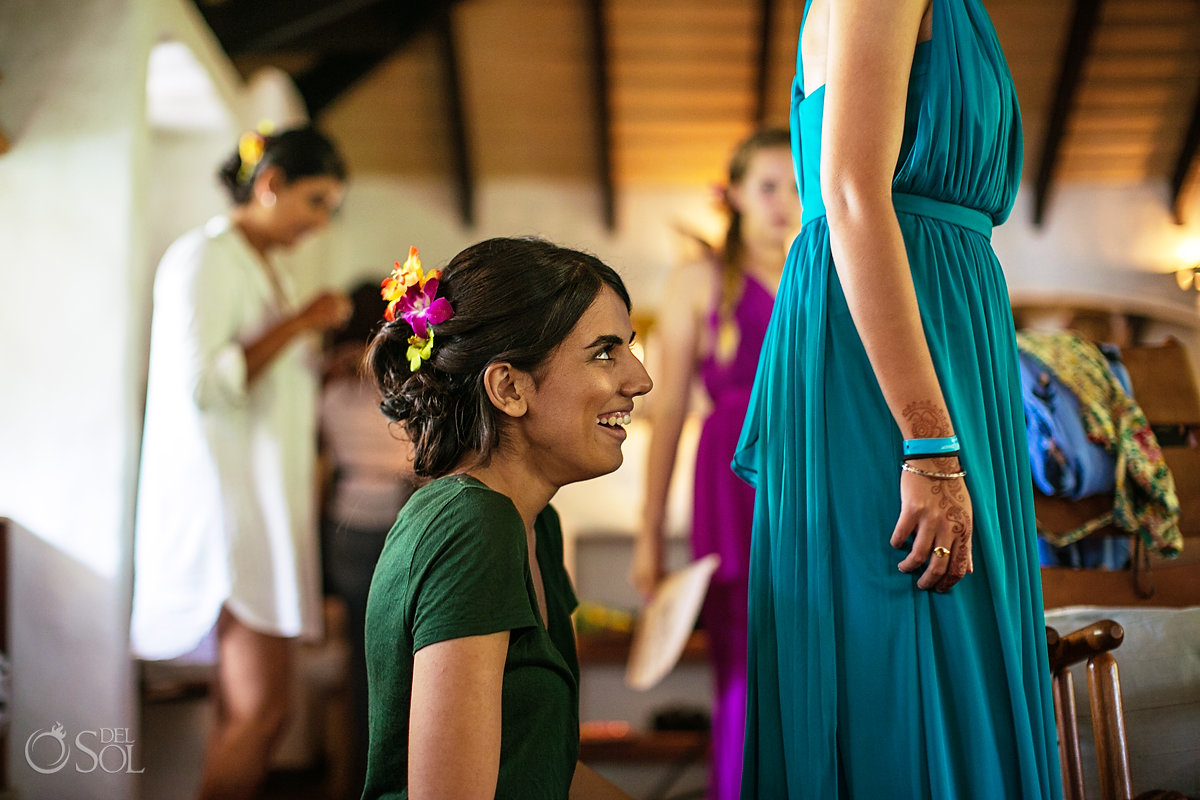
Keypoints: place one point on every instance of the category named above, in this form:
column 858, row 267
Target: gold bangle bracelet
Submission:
column 941, row 476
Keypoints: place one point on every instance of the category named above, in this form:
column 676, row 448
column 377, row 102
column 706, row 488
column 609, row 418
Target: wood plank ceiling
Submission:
column 655, row 92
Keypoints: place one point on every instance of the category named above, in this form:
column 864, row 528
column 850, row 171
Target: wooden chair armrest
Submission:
column 1099, row 637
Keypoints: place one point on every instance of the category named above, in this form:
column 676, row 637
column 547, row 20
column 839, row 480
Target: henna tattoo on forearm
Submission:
column 927, row 419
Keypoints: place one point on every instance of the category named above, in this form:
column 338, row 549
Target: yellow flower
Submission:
column 419, row 350
column 403, row 276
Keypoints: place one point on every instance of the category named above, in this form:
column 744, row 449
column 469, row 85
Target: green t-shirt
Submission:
column 456, row 564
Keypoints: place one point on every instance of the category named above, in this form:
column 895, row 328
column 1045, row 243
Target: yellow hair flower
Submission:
column 419, row 350
column 251, row 147
column 395, row 286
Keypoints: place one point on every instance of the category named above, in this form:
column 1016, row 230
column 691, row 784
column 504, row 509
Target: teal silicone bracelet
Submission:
column 930, row 448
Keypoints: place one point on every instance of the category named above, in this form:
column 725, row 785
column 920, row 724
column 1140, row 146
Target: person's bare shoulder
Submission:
column 692, row 286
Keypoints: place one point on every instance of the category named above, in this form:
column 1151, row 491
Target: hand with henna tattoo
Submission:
column 936, row 510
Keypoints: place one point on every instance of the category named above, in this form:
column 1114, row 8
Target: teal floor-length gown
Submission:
column 860, row 684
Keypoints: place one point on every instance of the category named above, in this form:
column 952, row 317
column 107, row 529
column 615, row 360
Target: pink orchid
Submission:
column 420, row 307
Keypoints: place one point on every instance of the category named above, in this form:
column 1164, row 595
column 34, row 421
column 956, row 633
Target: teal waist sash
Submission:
column 969, row 218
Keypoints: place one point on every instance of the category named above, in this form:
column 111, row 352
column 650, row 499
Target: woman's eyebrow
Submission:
column 606, row 339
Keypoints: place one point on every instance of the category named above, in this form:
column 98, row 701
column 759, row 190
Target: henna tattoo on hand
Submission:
column 926, row 419
column 952, row 497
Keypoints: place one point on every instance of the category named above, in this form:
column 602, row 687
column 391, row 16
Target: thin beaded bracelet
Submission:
column 941, row 476
column 931, row 448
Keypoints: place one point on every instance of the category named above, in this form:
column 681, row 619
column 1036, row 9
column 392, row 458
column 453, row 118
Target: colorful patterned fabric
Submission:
column 1144, row 500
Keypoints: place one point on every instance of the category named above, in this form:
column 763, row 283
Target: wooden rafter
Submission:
column 332, row 75
column 464, row 175
column 602, row 105
column 766, row 9
column 1084, row 20
column 1185, row 161
column 264, row 25
column 297, row 28
column 348, row 38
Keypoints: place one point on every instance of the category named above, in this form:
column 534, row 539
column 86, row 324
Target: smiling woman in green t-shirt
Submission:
column 511, row 372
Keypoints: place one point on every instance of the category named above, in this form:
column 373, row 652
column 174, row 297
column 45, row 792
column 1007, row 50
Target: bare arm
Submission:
column 327, row 310
column 688, row 294
column 870, row 47
column 454, row 724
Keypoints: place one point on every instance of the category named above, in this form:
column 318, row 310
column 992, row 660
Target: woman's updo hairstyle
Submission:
column 298, row 152
column 515, row 301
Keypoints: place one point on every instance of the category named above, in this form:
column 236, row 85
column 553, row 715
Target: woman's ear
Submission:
column 507, row 387
column 267, row 184
column 733, row 197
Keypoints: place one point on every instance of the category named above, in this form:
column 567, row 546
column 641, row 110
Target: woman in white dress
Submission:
column 226, row 529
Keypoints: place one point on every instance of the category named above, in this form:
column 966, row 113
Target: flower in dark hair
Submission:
column 419, row 350
column 422, row 307
column 404, row 276
column 413, row 293
column 251, row 147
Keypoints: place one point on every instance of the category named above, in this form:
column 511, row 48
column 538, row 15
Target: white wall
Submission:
column 81, row 230
column 69, row 412
column 1114, row 244
column 1108, row 247
column 382, row 216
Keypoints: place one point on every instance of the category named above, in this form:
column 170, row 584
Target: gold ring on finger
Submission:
column 941, row 552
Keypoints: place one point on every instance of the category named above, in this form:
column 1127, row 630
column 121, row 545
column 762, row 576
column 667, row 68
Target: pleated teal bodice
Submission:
column 862, row 685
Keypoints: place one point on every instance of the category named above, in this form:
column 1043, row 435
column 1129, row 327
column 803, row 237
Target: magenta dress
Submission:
column 722, row 517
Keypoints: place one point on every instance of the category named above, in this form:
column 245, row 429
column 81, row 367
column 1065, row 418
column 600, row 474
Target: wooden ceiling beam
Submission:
column 320, row 27
column 255, row 26
column 766, row 14
column 261, row 26
column 1185, row 161
column 326, row 80
column 602, row 109
column 305, row 24
column 456, row 118
column 1084, row 20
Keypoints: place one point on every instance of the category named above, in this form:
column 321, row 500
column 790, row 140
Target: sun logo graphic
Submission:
column 57, row 736
column 107, row 749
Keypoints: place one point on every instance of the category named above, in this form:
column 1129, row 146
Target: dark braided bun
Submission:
column 441, row 422
column 299, row 152
column 514, row 301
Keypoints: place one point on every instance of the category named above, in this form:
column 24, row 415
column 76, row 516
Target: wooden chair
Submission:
column 1174, row 586
column 1093, row 643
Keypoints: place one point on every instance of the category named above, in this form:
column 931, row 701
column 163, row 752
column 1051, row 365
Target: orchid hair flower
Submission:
column 251, row 147
column 411, row 294
column 419, row 350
